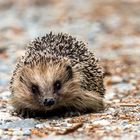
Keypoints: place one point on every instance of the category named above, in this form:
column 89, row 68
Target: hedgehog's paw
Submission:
column 72, row 114
column 25, row 113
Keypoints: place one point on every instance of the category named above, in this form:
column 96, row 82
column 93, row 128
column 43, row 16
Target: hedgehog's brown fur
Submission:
column 58, row 57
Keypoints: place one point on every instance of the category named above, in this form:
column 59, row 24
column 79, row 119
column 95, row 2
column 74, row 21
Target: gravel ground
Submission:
column 111, row 29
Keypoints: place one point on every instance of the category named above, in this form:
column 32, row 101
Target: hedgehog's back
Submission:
column 60, row 45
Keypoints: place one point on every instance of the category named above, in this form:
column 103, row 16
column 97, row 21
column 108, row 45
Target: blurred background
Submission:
column 110, row 27
column 112, row 30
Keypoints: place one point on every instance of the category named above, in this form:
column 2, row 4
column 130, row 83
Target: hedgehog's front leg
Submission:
column 25, row 113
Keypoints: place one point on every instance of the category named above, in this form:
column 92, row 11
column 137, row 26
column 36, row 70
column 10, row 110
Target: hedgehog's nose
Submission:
column 48, row 102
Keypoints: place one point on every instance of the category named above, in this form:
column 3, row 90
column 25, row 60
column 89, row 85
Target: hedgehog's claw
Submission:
column 72, row 114
column 25, row 113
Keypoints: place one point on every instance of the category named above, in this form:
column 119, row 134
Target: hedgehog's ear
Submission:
column 69, row 72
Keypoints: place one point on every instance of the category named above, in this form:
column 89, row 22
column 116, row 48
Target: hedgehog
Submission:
column 57, row 72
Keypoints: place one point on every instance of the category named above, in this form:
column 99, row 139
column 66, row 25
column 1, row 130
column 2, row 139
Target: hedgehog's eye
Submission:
column 35, row 89
column 57, row 85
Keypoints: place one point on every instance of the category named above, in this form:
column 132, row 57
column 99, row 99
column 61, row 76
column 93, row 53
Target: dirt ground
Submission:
column 112, row 30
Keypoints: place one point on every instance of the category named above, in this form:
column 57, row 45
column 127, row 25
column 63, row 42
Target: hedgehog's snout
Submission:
column 49, row 102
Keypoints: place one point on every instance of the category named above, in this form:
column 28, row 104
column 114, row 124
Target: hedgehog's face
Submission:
column 47, row 86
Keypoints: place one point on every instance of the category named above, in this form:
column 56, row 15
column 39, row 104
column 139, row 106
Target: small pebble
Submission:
column 101, row 122
column 116, row 79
